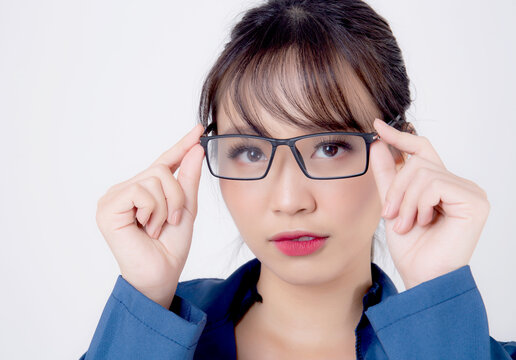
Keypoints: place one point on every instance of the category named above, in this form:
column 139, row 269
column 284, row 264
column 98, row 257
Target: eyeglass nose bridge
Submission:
column 368, row 137
column 291, row 143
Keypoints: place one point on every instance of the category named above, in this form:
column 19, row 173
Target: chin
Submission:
column 306, row 270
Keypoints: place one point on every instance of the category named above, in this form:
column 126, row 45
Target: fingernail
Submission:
column 176, row 217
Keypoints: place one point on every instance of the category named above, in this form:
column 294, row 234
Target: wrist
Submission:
column 162, row 298
column 413, row 281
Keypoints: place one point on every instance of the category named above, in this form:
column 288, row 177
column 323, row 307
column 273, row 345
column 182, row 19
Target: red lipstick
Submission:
column 298, row 243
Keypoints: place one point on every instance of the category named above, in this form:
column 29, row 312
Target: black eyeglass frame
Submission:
column 369, row 138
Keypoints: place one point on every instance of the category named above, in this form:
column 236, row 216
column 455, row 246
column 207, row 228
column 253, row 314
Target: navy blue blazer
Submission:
column 443, row 318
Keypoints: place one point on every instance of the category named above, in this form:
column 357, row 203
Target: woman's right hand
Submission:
column 136, row 217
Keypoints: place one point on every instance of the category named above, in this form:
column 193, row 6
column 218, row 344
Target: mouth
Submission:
column 298, row 236
column 298, row 243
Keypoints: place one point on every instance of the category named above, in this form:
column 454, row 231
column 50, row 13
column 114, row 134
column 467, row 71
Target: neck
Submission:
column 313, row 315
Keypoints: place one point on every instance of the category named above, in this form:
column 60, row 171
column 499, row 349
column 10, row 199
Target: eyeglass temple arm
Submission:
column 209, row 129
column 394, row 121
column 390, row 123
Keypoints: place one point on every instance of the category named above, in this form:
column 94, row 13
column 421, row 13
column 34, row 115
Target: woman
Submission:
column 323, row 78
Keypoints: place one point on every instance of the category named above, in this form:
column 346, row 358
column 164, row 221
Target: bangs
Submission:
column 299, row 85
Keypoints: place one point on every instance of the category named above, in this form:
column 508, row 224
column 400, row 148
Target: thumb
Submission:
column 189, row 176
column 383, row 166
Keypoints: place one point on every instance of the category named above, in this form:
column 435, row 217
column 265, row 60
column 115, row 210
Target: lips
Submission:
column 290, row 235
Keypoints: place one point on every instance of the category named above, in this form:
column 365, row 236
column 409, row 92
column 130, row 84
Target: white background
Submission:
column 91, row 92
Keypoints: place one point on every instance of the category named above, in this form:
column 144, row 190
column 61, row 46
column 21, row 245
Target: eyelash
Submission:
column 336, row 142
column 236, row 150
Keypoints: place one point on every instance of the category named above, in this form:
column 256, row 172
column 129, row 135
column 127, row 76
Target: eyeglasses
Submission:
column 321, row 156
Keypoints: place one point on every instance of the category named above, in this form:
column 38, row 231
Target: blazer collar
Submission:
column 236, row 294
column 228, row 300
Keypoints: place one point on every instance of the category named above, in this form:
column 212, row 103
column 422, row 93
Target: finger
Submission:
column 414, row 169
column 174, row 194
column 189, row 176
column 159, row 213
column 411, row 198
column 173, row 156
column 406, row 142
column 384, row 168
column 120, row 206
column 143, row 214
column 428, row 190
column 425, row 207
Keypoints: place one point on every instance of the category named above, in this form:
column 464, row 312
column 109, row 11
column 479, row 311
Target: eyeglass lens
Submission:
column 324, row 156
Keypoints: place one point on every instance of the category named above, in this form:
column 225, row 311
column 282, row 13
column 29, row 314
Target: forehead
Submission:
column 229, row 121
column 279, row 95
column 232, row 123
column 275, row 129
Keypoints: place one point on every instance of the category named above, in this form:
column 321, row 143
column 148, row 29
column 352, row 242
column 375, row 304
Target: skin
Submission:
column 306, row 313
column 313, row 303
column 441, row 217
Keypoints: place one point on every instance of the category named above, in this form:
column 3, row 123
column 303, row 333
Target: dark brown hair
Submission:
column 315, row 64
column 334, row 63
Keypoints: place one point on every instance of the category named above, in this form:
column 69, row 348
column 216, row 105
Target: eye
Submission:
column 246, row 153
column 332, row 149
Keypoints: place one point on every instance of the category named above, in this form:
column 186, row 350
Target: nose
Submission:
column 291, row 191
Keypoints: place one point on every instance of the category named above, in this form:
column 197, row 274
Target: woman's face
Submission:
column 348, row 210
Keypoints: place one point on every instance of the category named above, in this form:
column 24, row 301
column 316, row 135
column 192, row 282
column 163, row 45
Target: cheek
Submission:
column 355, row 201
column 240, row 199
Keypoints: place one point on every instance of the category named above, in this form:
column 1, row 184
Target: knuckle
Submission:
column 103, row 201
column 113, row 188
column 469, row 182
column 483, row 193
column 436, row 184
column 423, row 173
column 485, row 204
column 135, row 188
column 162, row 169
column 97, row 214
column 100, row 202
column 152, row 181
column 424, row 139
column 488, row 206
column 411, row 194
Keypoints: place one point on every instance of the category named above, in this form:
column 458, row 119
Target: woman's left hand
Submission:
column 440, row 214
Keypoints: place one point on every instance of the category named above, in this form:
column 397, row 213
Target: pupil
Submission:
column 253, row 155
column 330, row 152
